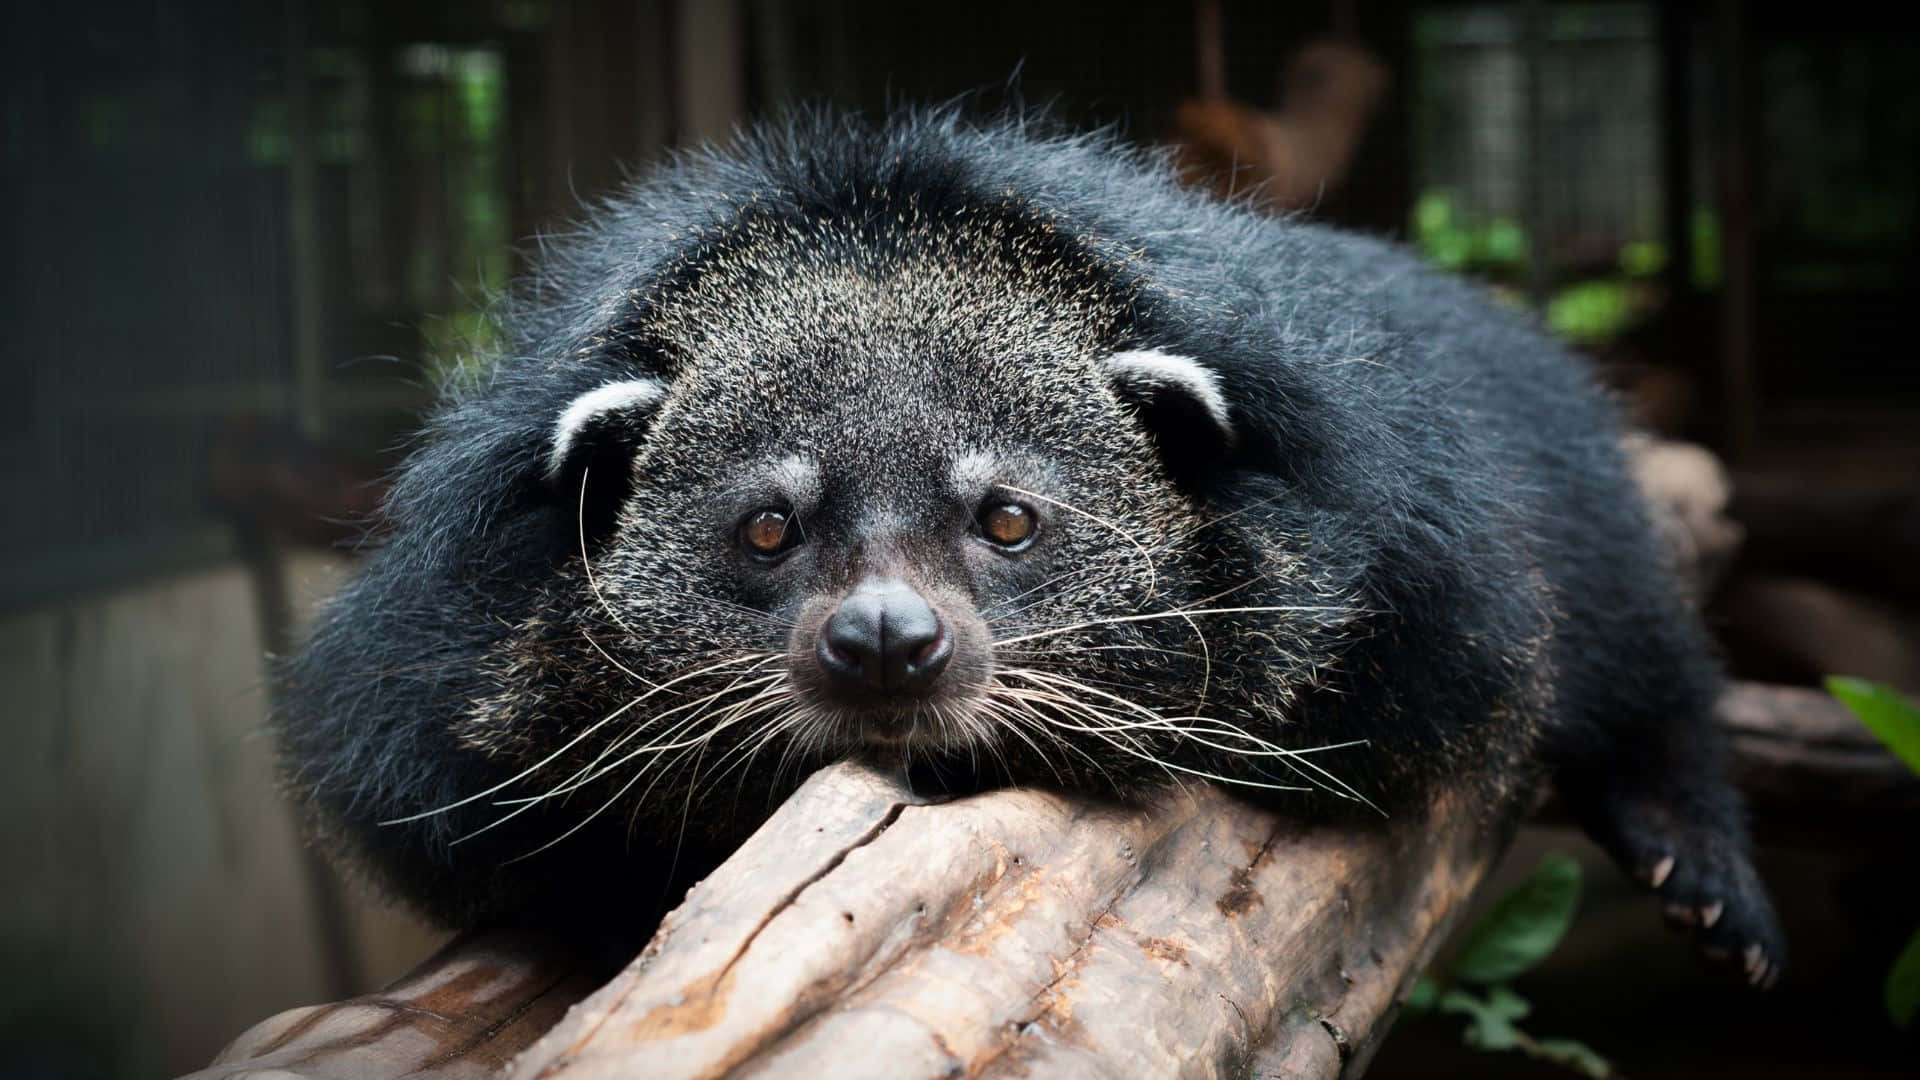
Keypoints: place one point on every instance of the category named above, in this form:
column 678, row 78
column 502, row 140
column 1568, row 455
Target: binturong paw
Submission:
column 1720, row 901
column 1707, row 887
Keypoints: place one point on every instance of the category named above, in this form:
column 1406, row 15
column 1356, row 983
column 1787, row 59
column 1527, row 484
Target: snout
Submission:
column 884, row 641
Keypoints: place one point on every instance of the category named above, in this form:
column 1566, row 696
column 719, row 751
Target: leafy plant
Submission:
column 1520, row 931
column 1895, row 721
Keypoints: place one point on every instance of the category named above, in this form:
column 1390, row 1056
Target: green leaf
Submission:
column 1903, row 984
column 1572, row 1054
column 1422, row 998
column 1507, row 1005
column 1892, row 718
column 1524, row 926
column 1490, row 1024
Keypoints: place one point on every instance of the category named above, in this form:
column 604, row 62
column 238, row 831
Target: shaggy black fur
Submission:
column 1422, row 495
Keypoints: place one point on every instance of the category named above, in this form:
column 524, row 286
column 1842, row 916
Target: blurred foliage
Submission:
column 1455, row 244
column 1892, row 718
column 1642, row 258
column 1704, row 224
column 1585, row 312
column 1521, row 930
column 1591, row 311
column 1523, row 927
column 269, row 143
column 1895, row 721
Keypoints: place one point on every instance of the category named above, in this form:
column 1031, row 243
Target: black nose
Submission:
column 884, row 639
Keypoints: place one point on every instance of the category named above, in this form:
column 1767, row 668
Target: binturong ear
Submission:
column 592, row 447
column 1179, row 401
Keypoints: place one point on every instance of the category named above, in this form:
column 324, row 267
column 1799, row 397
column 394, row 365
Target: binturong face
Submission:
column 899, row 511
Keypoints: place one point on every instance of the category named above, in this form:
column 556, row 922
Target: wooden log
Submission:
column 1812, row 774
column 863, row 931
column 463, row 1014
column 1850, row 523
column 1798, row 630
column 1025, row 933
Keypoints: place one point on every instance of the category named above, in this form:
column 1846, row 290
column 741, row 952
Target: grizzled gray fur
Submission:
column 995, row 456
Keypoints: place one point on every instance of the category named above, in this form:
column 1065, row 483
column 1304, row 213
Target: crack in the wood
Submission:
column 1339, row 1037
column 398, row 1015
column 1241, row 896
column 1241, row 880
column 1013, row 869
column 1019, row 1026
column 892, row 815
column 873, row 833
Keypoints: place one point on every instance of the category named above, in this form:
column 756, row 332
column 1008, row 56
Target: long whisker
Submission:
column 1012, row 713
column 580, row 529
column 1000, row 609
column 1146, row 557
column 1098, row 721
column 591, row 771
column 571, row 743
column 1184, row 726
column 1175, row 766
column 784, row 717
column 1308, row 609
column 582, row 777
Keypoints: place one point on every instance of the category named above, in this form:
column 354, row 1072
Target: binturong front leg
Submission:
column 1653, row 792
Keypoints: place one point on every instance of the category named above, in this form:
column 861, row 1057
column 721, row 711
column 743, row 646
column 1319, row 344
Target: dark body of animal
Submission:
column 998, row 457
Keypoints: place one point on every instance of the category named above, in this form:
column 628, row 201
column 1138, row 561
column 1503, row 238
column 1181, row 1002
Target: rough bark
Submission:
column 864, row 932
column 462, row 1015
column 1022, row 933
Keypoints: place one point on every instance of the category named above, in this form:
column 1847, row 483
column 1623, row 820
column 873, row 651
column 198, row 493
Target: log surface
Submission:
column 864, row 932
column 462, row 1015
column 1812, row 774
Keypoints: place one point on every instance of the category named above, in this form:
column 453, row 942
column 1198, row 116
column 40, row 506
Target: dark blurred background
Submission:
column 243, row 240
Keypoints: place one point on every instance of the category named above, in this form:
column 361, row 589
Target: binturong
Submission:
column 994, row 456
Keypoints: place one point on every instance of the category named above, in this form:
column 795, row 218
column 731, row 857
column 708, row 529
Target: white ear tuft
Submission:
column 1150, row 373
column 596, row 408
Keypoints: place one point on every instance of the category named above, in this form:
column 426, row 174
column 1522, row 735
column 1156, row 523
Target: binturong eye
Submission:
column 1007, row 525
column 769, row 533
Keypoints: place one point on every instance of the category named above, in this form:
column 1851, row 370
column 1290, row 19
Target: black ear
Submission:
column 592, row 447
column 1180, row 403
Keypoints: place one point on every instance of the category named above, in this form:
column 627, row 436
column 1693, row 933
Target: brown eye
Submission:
column 1007, row 524
column 767, row 533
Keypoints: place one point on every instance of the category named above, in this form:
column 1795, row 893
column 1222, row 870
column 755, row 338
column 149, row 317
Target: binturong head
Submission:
column 890, row 499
